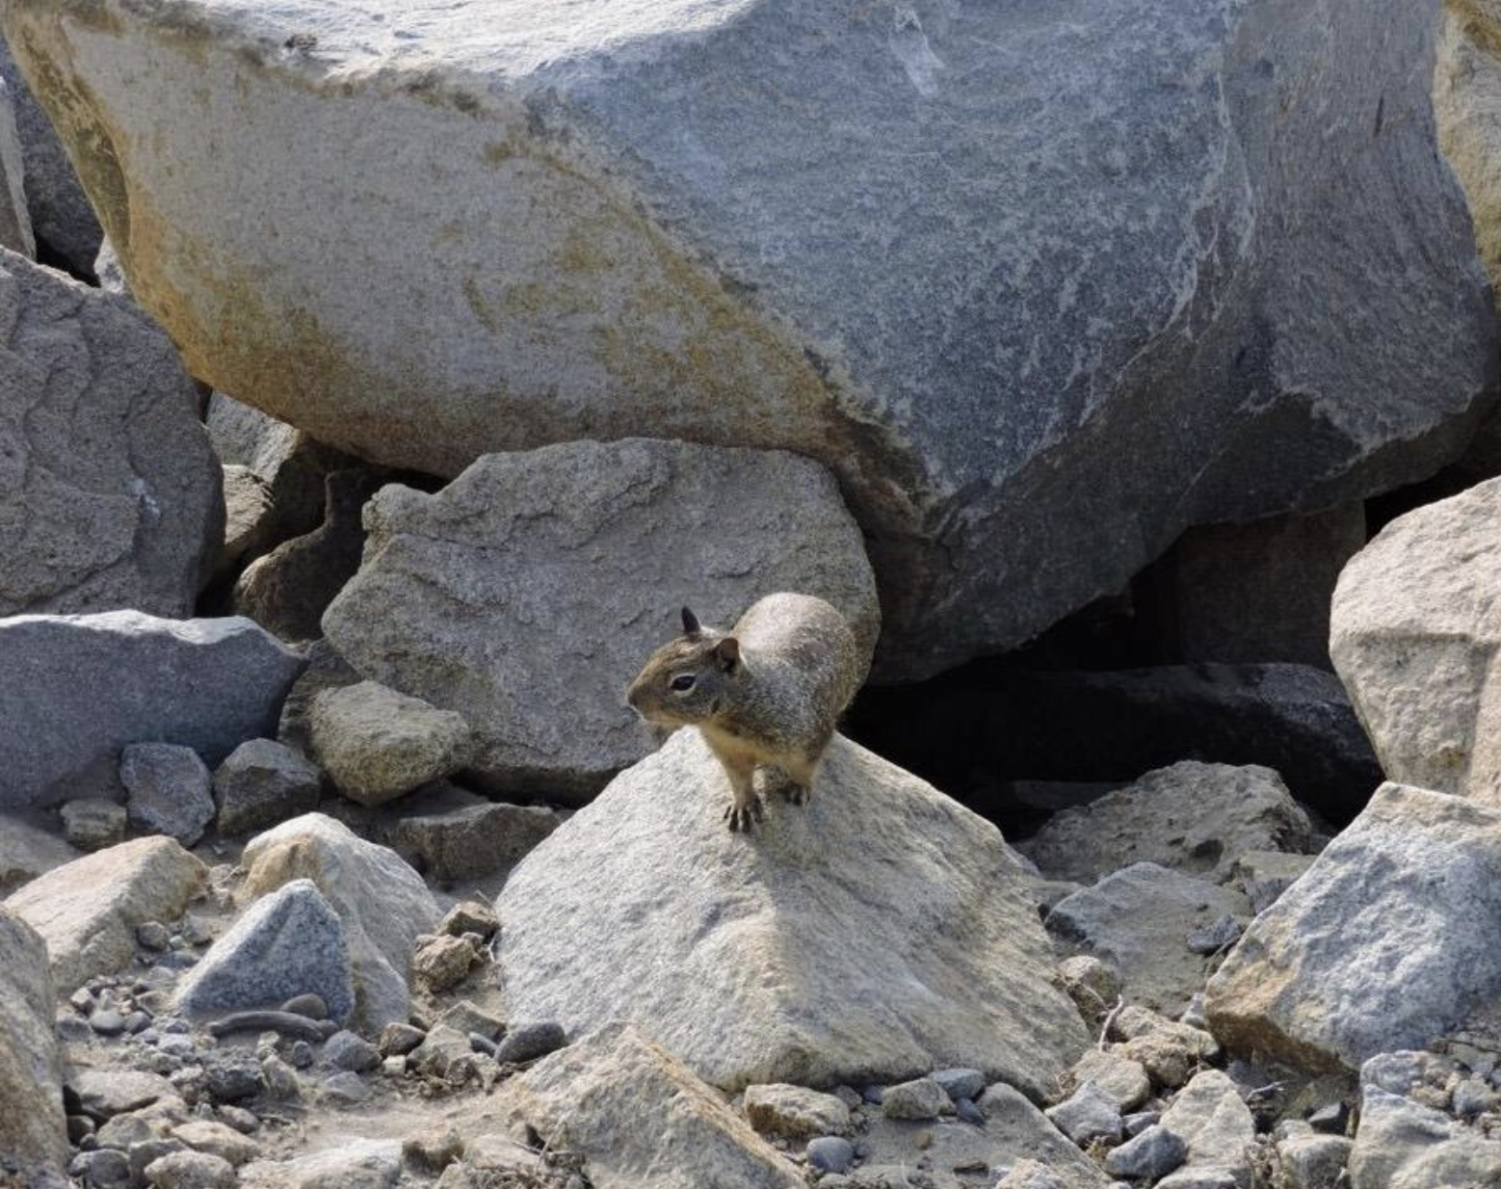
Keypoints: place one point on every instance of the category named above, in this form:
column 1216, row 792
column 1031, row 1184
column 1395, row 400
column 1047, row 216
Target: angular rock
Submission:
column 781, row 956
column 1312, row 1161
column 1138, row 920
column 1152, row 1154
column 191, row 1170
column 1123, row 1079
column 1192, row 817
column 1169, row 1050
column 217, row 1139
column 64, row 223
column 288, row 590
column 441, row 962
column 526, row 1042
column 167, row 790
column 1401, row 1144
column 1381, row 945
column 640, row 225
column 249, row 521
column 794, row 1112
column 263, row 782
column 32, row 1124
column 1089, row 1114
column 641, row 1118
column 119, row 509
column 27, row 852
column 463, row 594
column 1417, row 640
column 383, row 903
column 15, row 219
column 354, row 1164
column 1014, row 1129
column 101, row 682
column 376, row 744
column 1215, row 1126
column 87, row 910
column 454, row 835
column 921, row 1098
column 290, row 942
column 93, row 823
column 1265, row 875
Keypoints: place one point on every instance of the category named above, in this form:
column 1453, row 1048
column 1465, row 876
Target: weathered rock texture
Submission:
column 87, row 910
column 109, row 493
column 15, row 220
column 1384, row 943
column 95, row 683
column 1196, row 818
column 32, row 1126
column 1467, row 103
column 383, row 903
column 880, row 932
column 831, row 229
column 545, row 579
column 1416, row 637
column 27, row 851
column 642, row 1118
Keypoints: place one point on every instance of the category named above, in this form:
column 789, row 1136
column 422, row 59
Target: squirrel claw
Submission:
column 740, row 817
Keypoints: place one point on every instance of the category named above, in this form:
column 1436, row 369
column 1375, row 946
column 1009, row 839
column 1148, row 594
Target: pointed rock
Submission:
column 32, row 1125
column 882, row 931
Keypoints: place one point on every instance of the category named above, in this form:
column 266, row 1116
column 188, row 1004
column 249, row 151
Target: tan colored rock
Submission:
column 1467, row 107
column 32, row 1125
column 1416, row 638
column 1125, row 1080
column 881, row 931
column 26, row 852
column 87, row 910
column 1382, row 944
column 377, row 744
column 795, row 1112
column 641, row 1118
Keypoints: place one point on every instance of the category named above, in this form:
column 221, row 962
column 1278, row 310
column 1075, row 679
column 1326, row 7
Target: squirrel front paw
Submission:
column 741, row 815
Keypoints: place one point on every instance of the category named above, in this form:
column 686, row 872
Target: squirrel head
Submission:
column 687, row 680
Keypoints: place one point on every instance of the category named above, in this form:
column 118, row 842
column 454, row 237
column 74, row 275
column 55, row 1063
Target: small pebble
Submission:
column 1151, row 1155
column 302, row 1054
column 153, row 936
column 960, row 1083
column 232, row 1079
column 1331, row 1119
column 243, row 1121
column 399, row 1039
column 73, row 1029
column 482, row 1044
column 873, row 1094
column 527, row 1042
column 137, row 1022
column 82, row 1000
column 394, row 1067
column 107, row 1022
column 349, row 1051
column 922, row 1098
column 969, row 1112
column 173, row 1024
column 830, row 1153
column 104, row 1168
column 345, row 1088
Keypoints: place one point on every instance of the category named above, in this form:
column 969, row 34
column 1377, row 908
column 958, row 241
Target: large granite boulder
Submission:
column 1384, row 943
column 87, row 910
column 32, row 1127
column 109, row 493
column 880, row 932
column 834, row 229
column 1416, row 637
column 543, row 580
column 79, row 688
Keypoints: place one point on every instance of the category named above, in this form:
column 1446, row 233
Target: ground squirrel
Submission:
column 766, row 694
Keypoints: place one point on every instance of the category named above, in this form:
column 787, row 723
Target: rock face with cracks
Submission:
column 547, row 578
column 880, row 932
column 833, row 229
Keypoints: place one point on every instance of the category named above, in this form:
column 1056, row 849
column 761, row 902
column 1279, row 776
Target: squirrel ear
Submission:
column 728, row 652
column 690, row 623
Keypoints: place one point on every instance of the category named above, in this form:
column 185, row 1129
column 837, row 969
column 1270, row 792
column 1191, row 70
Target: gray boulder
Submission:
column 1215, row 1125
column 27, row 851
column 382, row 902
column 1402, row 1144
column 263, row 782
column 1139, row 919
column 65, row 224
column 168, row 790
column 87, row 910
column 92, row 823
column 376, row 744
column 1384, row 943
column 1195, row 818
column 451, row 834
column 669, row 216
column 289, row 942
column 101, row 682
column 32, row 1126
column 881, row 931
column 121, row 508
column 546, row 579
column 1416, row 640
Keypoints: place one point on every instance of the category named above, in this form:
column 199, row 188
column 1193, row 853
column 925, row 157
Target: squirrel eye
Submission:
column 684, row 681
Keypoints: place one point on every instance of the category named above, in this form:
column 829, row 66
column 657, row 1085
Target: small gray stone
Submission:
column 153, row 936
column 469, row 916
column 442, row 961
column 280, row 1078
column 397, row 1039
column 377, row 744
column 92, row 823
column 527, row 1042
column 960, row 1083
column 1331, row 1119
column 149, row 1150
column 308, row 1004
column 922, row 1098
column 104, row 1168
column 968, row 1112
column 1089, row 1114
column 167, row 790
column 302, row 1054
column 345, row 1088
column 1220, row 935
column 1152, row 1154
column 466, row 1017
column 288, row 943
column 191, row 1170
column 349, row 1051
column 232, row 1078
column 830, row 1153
column 455, row 835
column 1313, row 1161
column 73, row 1029
column 793, row 1112
column 107, row 1022
column 263, row 782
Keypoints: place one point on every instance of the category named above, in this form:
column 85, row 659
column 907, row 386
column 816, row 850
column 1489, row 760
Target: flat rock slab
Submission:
column 1416, row 638
column 32, row 1124
column 121, row 506
column 87, row 910
column 881, row 932
column 546, row 579
column 82, row 687
column 1384, row 943
column 1195, row 818
column 1138, row 920
column 825, row 228
column 641, row 1118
